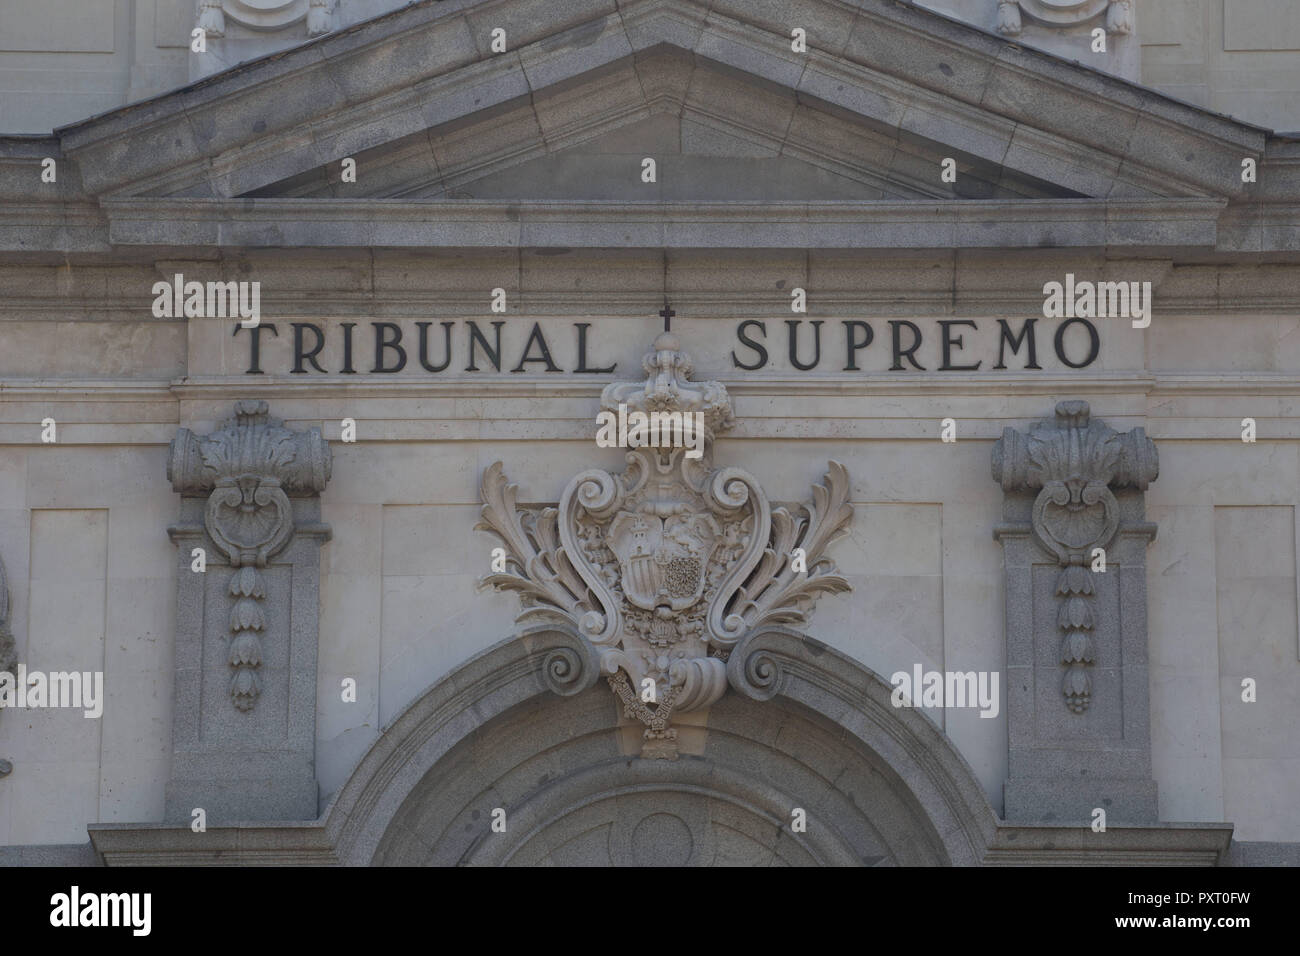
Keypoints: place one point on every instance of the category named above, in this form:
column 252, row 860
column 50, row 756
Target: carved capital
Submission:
column 661, row 570
column 1074, row 463
column 249, row 443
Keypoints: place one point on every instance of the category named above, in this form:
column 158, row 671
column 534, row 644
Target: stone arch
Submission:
column 802, row 727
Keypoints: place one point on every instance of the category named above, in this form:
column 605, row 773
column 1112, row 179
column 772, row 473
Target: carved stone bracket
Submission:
column 1074, row 463
column 1065, row 13
column 246, row 467
column 658, row 572
column 244, row 737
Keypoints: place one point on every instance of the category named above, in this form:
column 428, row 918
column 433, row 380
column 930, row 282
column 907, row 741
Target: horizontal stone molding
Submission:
column 1164, row 844
column 309, row 844
column 1209, row 406
column 845, row 224
column 162, row 394
column 153, row 223
column 258, row 844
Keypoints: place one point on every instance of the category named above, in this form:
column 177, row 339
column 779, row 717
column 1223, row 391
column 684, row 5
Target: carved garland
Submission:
column 247, row 468
column 1074, row 463
column 657, row 573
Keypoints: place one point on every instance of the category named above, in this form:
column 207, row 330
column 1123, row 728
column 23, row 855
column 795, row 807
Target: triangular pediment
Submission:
column 714, row 134
column 712, row 91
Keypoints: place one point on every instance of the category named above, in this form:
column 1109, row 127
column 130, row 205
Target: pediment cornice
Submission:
column 890, row 68
column 389, row 223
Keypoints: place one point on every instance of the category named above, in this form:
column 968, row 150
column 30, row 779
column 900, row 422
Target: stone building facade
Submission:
column 320, row 379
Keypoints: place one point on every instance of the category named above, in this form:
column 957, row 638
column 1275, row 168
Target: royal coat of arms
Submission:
column 661, row 570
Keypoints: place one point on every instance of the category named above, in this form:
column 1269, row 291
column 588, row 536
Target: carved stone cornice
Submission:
column 247, row 468
column 657, row 573
column 838, row 224
column 1074, row 463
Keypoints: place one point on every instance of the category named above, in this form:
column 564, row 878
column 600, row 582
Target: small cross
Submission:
column 667, row 313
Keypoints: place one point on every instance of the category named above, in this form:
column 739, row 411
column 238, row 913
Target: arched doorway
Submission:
column 877, row 785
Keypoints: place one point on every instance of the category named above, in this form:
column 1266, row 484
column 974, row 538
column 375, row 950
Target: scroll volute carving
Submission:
column 247, row 468
column 1074, row 463
column 660, row 571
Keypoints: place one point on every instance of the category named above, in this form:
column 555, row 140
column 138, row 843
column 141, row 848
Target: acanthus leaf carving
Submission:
column 776, row 593
column 662, row 569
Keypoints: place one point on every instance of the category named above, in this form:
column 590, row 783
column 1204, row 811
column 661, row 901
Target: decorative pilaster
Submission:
column 244, row 741
column 1078, row 719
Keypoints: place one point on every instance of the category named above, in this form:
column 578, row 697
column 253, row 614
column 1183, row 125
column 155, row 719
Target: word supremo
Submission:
column 103, row 909
column 36, row 689
column 179, row 299
column 946, row 689
column 656, row 429
column 1098, row 300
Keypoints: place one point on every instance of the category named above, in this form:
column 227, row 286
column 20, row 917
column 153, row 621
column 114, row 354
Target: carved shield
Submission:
column 663, row 561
